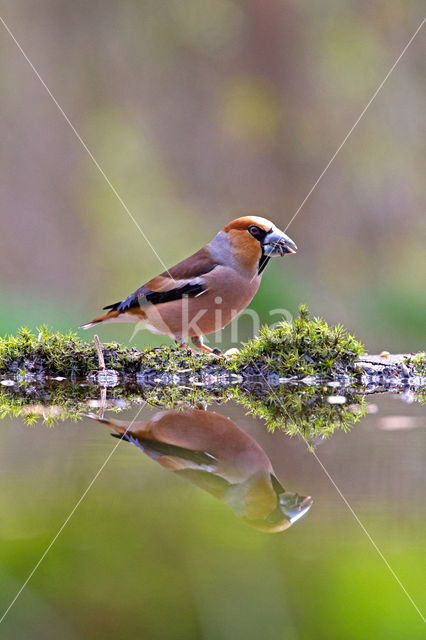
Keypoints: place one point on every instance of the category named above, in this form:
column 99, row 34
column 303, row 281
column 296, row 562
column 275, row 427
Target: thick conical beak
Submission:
column 277, row 243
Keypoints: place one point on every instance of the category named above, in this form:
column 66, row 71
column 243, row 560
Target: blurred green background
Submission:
column 199, row 111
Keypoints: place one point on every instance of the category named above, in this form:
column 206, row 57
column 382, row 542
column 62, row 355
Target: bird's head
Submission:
column 256, row 239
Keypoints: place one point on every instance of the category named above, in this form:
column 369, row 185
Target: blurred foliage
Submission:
column 251, row 112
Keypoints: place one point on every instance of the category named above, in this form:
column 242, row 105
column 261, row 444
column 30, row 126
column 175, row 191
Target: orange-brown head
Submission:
column 254, row 240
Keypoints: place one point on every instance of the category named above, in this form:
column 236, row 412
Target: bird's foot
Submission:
column 199, row 342
column 184, row 345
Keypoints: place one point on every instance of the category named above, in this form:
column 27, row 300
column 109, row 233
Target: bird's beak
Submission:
column 277, row 243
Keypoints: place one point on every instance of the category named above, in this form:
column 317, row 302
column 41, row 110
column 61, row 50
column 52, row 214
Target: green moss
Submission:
column 47, row 353
column 418, row 362
column 305, row 347
column 418, row 365
column 57, row 354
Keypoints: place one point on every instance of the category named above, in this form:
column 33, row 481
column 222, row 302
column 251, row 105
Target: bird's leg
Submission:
column 199, row 342
column 181, row 343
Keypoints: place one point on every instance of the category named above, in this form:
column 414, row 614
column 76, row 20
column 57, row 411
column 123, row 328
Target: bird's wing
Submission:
column 184, row 279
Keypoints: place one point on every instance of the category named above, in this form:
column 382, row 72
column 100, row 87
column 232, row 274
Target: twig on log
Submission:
column 99, row 352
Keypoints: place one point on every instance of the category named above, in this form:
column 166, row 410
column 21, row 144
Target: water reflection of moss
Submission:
column 304, row 411
column 51, row 402
column 420, row 395
column 54, row 401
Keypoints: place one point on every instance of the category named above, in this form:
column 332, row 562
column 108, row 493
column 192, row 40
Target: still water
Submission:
column 202, row 523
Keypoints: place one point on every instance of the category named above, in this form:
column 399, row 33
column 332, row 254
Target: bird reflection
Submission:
column 211, row 451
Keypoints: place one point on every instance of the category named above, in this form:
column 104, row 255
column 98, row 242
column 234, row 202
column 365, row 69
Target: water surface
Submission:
column 182, row 539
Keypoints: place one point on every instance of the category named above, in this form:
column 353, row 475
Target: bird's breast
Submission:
column 228, row 293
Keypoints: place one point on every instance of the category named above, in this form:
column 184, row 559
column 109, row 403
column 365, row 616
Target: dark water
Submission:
column 207, row 525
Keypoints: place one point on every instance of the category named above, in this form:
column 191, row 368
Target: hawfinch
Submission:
column 212, row 452
column 203, row 293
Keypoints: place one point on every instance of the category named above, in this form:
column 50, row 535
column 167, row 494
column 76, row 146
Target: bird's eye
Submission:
column 256, row 232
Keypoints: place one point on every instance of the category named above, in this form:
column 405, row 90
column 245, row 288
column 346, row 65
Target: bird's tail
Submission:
column 111, row 316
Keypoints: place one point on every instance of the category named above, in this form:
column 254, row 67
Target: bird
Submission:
column 214, row 453
column 205, row 292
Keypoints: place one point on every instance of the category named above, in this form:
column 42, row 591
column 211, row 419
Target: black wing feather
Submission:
column 156, row 297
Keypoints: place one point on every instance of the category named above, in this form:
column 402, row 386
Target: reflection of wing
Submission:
column 216, row 485
column 184, row 279
column 156, row 449
column 196, row 466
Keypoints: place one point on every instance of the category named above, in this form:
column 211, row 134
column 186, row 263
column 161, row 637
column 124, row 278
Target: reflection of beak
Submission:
column 290, row 507
column 294, row 506
column 276, row 243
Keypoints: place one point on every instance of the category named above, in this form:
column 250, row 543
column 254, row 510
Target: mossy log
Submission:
column 305, row 348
